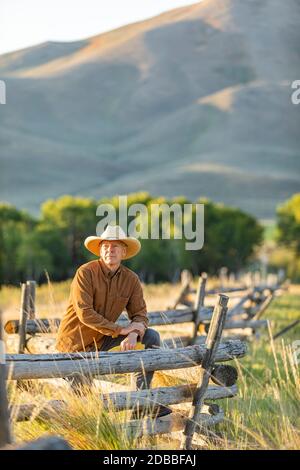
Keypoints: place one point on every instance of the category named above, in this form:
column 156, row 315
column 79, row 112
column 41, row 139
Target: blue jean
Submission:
column 151, row 339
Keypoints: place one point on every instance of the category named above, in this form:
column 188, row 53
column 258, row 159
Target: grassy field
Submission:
column 264, row 415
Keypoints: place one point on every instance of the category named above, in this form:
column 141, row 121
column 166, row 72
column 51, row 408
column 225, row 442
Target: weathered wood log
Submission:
column 119, row 401
column 241, row 325
column 219, row 290
column 170, row 317
column 260, row 310
column 286, row 329
column 258, row 297
column 186, row 276
column 42, row 325
column 155, row 319
column 223, row 276
column 45, row 344
column 266, row 287
column 171, row 423
column 245, row 334
column 211, row 345
column 5, row 434
column 37, row 344
column 226, row 290
column 199, row 304
column 34, row 366
column 182, row 294
column 224, row 375
column 232, row 323
column 164, row 395
column 23, row 317
column 238, row 308
column 163, row 317
column 229, row 325
column 31, row 299
column 187, row 303
column 47, row 443
column 227, row 350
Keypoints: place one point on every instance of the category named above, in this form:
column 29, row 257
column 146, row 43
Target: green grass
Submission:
column 266, row 414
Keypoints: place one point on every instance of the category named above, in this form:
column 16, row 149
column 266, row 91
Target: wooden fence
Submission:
column 6, row 437
column 204, row 352
column 205, row 355
column 246, row 314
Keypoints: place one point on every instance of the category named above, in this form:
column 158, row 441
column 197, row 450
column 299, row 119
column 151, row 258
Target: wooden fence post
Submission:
column 186, row 276
column 257, row 278
column 223, row 277
column 27, row 308
column 186, row 279
column 263, row 306
column 23, row 318
column 212, row 343
column 199, row 303
column 5, row 435
column 31, row 299
column 236, row 310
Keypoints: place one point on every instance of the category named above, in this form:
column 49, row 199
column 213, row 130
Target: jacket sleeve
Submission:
column 82, row 299
column 136, row 307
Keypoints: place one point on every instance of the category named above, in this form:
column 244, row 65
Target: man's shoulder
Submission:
column 128, row 272
column 90, row 266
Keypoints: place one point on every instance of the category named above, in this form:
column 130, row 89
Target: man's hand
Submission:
column 140, row 327
column 129, row 342
column 132, row 327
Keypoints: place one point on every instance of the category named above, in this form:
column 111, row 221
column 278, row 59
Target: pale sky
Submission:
column 25, row 23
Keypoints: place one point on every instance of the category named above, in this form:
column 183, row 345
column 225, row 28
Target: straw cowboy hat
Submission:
column 113, row 232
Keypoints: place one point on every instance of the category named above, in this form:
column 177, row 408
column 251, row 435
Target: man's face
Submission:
column 112, row 252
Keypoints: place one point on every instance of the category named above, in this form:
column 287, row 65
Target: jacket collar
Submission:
column 107, row 272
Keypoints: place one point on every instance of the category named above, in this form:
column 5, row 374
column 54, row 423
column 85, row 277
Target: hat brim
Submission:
column 133, row 245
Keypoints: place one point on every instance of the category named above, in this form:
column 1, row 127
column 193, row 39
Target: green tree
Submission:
column 14, row 224
column 54, row 243
column 73, row 219
column 230, row 238
column 288, row 216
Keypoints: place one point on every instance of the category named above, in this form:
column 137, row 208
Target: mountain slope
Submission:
column 195, row 101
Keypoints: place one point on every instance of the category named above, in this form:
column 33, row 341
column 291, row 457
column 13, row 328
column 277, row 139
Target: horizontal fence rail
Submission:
column 163, row 317
column 168, row 317
column 119, row 401
column 39, row 366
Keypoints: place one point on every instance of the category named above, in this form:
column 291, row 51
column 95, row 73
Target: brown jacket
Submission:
column 97, row 299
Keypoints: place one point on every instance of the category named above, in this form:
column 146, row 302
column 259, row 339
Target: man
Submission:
column 100, row 291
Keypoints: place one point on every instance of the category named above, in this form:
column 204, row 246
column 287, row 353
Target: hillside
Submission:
column 193, row 102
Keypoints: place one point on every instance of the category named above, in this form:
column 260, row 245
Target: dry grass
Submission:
column 264, row 415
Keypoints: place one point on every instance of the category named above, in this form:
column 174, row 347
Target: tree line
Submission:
column 53, row 242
